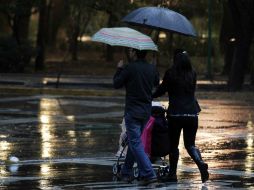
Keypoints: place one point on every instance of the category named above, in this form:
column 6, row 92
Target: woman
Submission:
column 180, row 83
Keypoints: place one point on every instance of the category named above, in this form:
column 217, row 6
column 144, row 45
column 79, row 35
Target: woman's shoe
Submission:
column 172, row 177
column 203, row 168
column 173, row 160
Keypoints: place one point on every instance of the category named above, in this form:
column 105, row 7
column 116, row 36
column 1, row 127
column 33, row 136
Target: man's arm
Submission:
column 120, row 76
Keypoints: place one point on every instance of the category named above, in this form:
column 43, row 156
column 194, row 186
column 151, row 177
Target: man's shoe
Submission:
column 146, row 182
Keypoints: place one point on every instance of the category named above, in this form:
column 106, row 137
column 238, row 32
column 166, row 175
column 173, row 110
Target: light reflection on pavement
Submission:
column 66, row 142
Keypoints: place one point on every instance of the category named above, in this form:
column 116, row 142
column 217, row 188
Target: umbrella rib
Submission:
column 130, row 38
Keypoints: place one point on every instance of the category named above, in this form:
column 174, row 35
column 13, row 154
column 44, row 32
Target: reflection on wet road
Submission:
column 66, row 142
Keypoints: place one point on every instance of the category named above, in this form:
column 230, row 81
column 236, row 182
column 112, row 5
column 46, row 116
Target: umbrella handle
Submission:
column 120, row 64
column 155, row 58
column 127, row 55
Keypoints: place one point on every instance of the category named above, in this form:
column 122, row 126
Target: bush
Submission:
column 13, row 56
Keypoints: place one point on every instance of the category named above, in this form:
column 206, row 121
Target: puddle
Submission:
column 69, row 143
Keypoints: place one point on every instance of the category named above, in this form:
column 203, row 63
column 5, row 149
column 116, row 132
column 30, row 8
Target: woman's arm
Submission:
column 157, row 78
column 194, row 80
column 162, row 88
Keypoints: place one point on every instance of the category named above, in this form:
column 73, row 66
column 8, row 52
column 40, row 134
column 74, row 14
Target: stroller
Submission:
column 155, row 140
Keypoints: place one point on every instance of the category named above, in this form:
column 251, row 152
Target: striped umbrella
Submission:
column 124, row 36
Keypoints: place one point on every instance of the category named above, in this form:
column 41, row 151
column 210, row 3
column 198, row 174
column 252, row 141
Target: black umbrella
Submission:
column 162, row 19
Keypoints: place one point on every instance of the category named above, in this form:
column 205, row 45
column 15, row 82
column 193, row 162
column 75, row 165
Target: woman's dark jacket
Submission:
column 181, row 94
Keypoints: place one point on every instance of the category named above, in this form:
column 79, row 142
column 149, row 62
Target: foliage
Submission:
column 15, row 49
column 14, row 10
column 85, row 17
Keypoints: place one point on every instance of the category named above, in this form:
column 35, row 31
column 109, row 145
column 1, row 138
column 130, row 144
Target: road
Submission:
column 69, row 142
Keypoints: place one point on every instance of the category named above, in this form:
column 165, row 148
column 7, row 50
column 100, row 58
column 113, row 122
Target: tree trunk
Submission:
column 228, row 57
column 15, row 29
column 242, row 19
column 239, row 64
column 56, row 18
column 252, row 72
column 74, row 38
column 41, row 36
column 74, row 44
column 227, row 34
column 252, row 76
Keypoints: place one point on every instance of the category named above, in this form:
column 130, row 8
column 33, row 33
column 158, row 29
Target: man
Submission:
column 138, row 77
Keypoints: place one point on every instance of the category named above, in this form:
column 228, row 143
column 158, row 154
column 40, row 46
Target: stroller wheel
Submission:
column 115, row 178
column 160, row 172
column 135, row 172
column 167, row 169
column 116, row 169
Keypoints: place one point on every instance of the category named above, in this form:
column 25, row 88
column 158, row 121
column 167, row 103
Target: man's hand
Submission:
column 120, row 64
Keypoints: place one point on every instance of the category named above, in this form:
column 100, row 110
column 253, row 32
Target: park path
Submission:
column 69, row 142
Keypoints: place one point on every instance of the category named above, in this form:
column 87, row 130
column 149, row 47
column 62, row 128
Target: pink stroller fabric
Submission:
column 146, row 136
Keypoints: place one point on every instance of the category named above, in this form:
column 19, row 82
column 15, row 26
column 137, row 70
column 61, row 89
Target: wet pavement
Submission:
column 69, row 142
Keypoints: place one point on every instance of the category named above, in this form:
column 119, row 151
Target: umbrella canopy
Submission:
column 162, row 19
column 124, row 36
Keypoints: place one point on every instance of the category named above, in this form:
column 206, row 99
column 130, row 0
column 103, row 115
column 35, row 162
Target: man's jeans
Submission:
column 134, row 128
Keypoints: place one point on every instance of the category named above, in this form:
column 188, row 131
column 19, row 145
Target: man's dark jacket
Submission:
column 138, row 78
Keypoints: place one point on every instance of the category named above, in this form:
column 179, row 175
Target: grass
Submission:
column 89, row 63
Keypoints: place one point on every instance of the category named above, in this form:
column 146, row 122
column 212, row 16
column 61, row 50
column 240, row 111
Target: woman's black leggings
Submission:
column 175, row 126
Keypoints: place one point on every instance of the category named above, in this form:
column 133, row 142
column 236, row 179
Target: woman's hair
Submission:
column 182, row 61
column 182, row 68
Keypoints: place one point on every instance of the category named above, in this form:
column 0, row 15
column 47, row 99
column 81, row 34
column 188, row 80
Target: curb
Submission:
column 59, row 91
column 25, row 90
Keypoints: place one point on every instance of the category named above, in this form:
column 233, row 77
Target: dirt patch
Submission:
column 234, row 96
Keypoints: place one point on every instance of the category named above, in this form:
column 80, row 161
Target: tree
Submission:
column 56, row 17
column 115, row 10
column 17, row 51
column 18, row 14
column 41, row 36
column 80, row 13
column 243, row 16
column 227, row 38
